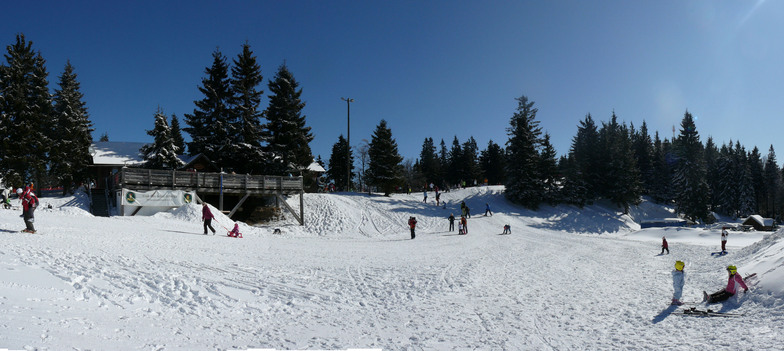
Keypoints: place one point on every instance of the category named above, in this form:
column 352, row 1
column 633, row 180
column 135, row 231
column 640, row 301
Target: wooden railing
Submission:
column 155, row 178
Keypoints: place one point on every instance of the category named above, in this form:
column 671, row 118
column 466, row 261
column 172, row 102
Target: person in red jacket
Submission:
column 206, row 216
column 732, row 287
column 29, row 204
column 412, row 224
column 665, row 246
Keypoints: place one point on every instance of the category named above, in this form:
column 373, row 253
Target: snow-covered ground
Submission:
column 565, row 279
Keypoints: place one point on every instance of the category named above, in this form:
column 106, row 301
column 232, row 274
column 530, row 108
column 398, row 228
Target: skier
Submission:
column 678, row 278
column 438, row 198
column 451, row 219
column 487, row 209
column 460, row 229
column 6, row 198
column 29, row 203
column 412, row 224
column 206, row 216
column 464, row 222
column 724, row 236
column 468, row 212
column 425, row 199
column 507, row 229
column 732, row 286
column 665, row 246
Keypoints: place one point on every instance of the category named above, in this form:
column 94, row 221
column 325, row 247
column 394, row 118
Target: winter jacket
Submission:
column 206, row 213
column 724, row 235
column 412, row 223
column 29, row 200
column 732, row 283
column 678, row 278
column 664, row 243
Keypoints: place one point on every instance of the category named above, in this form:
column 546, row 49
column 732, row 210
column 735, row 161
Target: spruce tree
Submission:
column 470, row 165
column 691, row 189
column 585, row 160
column 429, row 164
column 493, row 163
column 548, row 167
column 176, row 133
column 757, row 169
column 663, row 162
column 454, row 174
column 384, row 169
column 772, row 185
column 162, row 153
column 211, row 125
column 289, row 137
column 246, row 77
column 338, row 164
column 620, row 176
column 643, row 153
column 27, row 119
column 70, row 155
column 524, row 182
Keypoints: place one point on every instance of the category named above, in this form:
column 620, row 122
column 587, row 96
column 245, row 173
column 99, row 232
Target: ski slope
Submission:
column 566, row 278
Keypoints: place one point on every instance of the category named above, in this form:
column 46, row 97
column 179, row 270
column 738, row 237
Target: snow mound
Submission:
column 74, row 211
column 192, row 213
column 767, row 260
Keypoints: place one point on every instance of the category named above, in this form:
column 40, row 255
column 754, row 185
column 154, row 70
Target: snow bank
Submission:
column 766, row 258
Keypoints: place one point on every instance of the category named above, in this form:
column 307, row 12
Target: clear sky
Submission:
column 435, row 69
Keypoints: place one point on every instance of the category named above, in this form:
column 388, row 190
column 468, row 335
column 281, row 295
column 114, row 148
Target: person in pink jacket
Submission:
column 207, row 216
column 732, row 287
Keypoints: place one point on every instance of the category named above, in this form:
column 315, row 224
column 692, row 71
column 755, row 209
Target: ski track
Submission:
column 357, row 282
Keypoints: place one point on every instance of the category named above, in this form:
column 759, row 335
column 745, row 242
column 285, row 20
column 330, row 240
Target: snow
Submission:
column 566, row 278
column 117, row 153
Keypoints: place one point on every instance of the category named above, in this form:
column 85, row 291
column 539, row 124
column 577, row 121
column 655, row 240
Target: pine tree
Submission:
column 429, row 164
column 691, row 190
column 162, row 153
column 289, row 137
column 663, row 163
column 338, row 164
column 176, row 133
column 27, row 118
column 772, row 184
column 247, row 149
column 643, row 153
column 470, row 166
column 584, row 176
column 69, row 154
column 548, row 167
column 620, row 176
column 493, row 163
column 212, row 122
column 104, row 137
column 524, row 182
column 757, row 169
column 454, row 173
column 712, row 174
column 384, row 170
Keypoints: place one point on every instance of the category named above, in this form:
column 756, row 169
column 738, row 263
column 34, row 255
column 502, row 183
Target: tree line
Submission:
column 612, row 161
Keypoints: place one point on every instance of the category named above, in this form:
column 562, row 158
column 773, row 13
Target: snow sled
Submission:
column 235, row 235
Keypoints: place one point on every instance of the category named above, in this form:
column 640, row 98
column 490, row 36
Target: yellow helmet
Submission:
column 732, row 269
column 679, row 265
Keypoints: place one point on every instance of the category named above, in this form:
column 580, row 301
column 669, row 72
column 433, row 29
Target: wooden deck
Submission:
column 207, row 182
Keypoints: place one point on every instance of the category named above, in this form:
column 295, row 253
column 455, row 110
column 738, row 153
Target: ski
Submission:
column 708, row 313
column 719, row 253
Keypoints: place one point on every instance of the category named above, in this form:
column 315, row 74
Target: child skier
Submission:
column 412, row 224
column 460, row 228
column 678, row 278
column 29, row 203
column 487, row 209
column 665, row 246
column 732, row 286
column 507, row 229
column 464, row 223
column 724, row 236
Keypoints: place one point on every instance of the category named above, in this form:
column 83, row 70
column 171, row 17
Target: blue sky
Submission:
column 435, row 69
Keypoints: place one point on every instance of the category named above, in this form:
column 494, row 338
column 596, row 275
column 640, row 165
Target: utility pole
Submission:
column 348, row 141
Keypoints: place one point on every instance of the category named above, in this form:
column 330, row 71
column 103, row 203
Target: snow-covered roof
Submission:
column 315, row 167
column 116, row 153
column 765, row 222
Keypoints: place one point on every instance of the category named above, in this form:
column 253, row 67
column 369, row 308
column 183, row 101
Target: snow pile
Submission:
column 767, row 260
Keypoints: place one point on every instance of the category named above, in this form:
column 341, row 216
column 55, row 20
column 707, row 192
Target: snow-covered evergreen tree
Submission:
column 72, row 135
column 429, row 164
column 212, row 123
column 548, row 166
column 454, row 173
column 691, row 189
column 247, row 149
column 663, row 164
column 385, row 170
column 620, row 176
column 772, row 185
column 584, row 180
column 757, row 169
column 469, row 161
column 289, row 137
column 162, row 153
column 643, row 153
column 26, row 119
column 523, row 176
